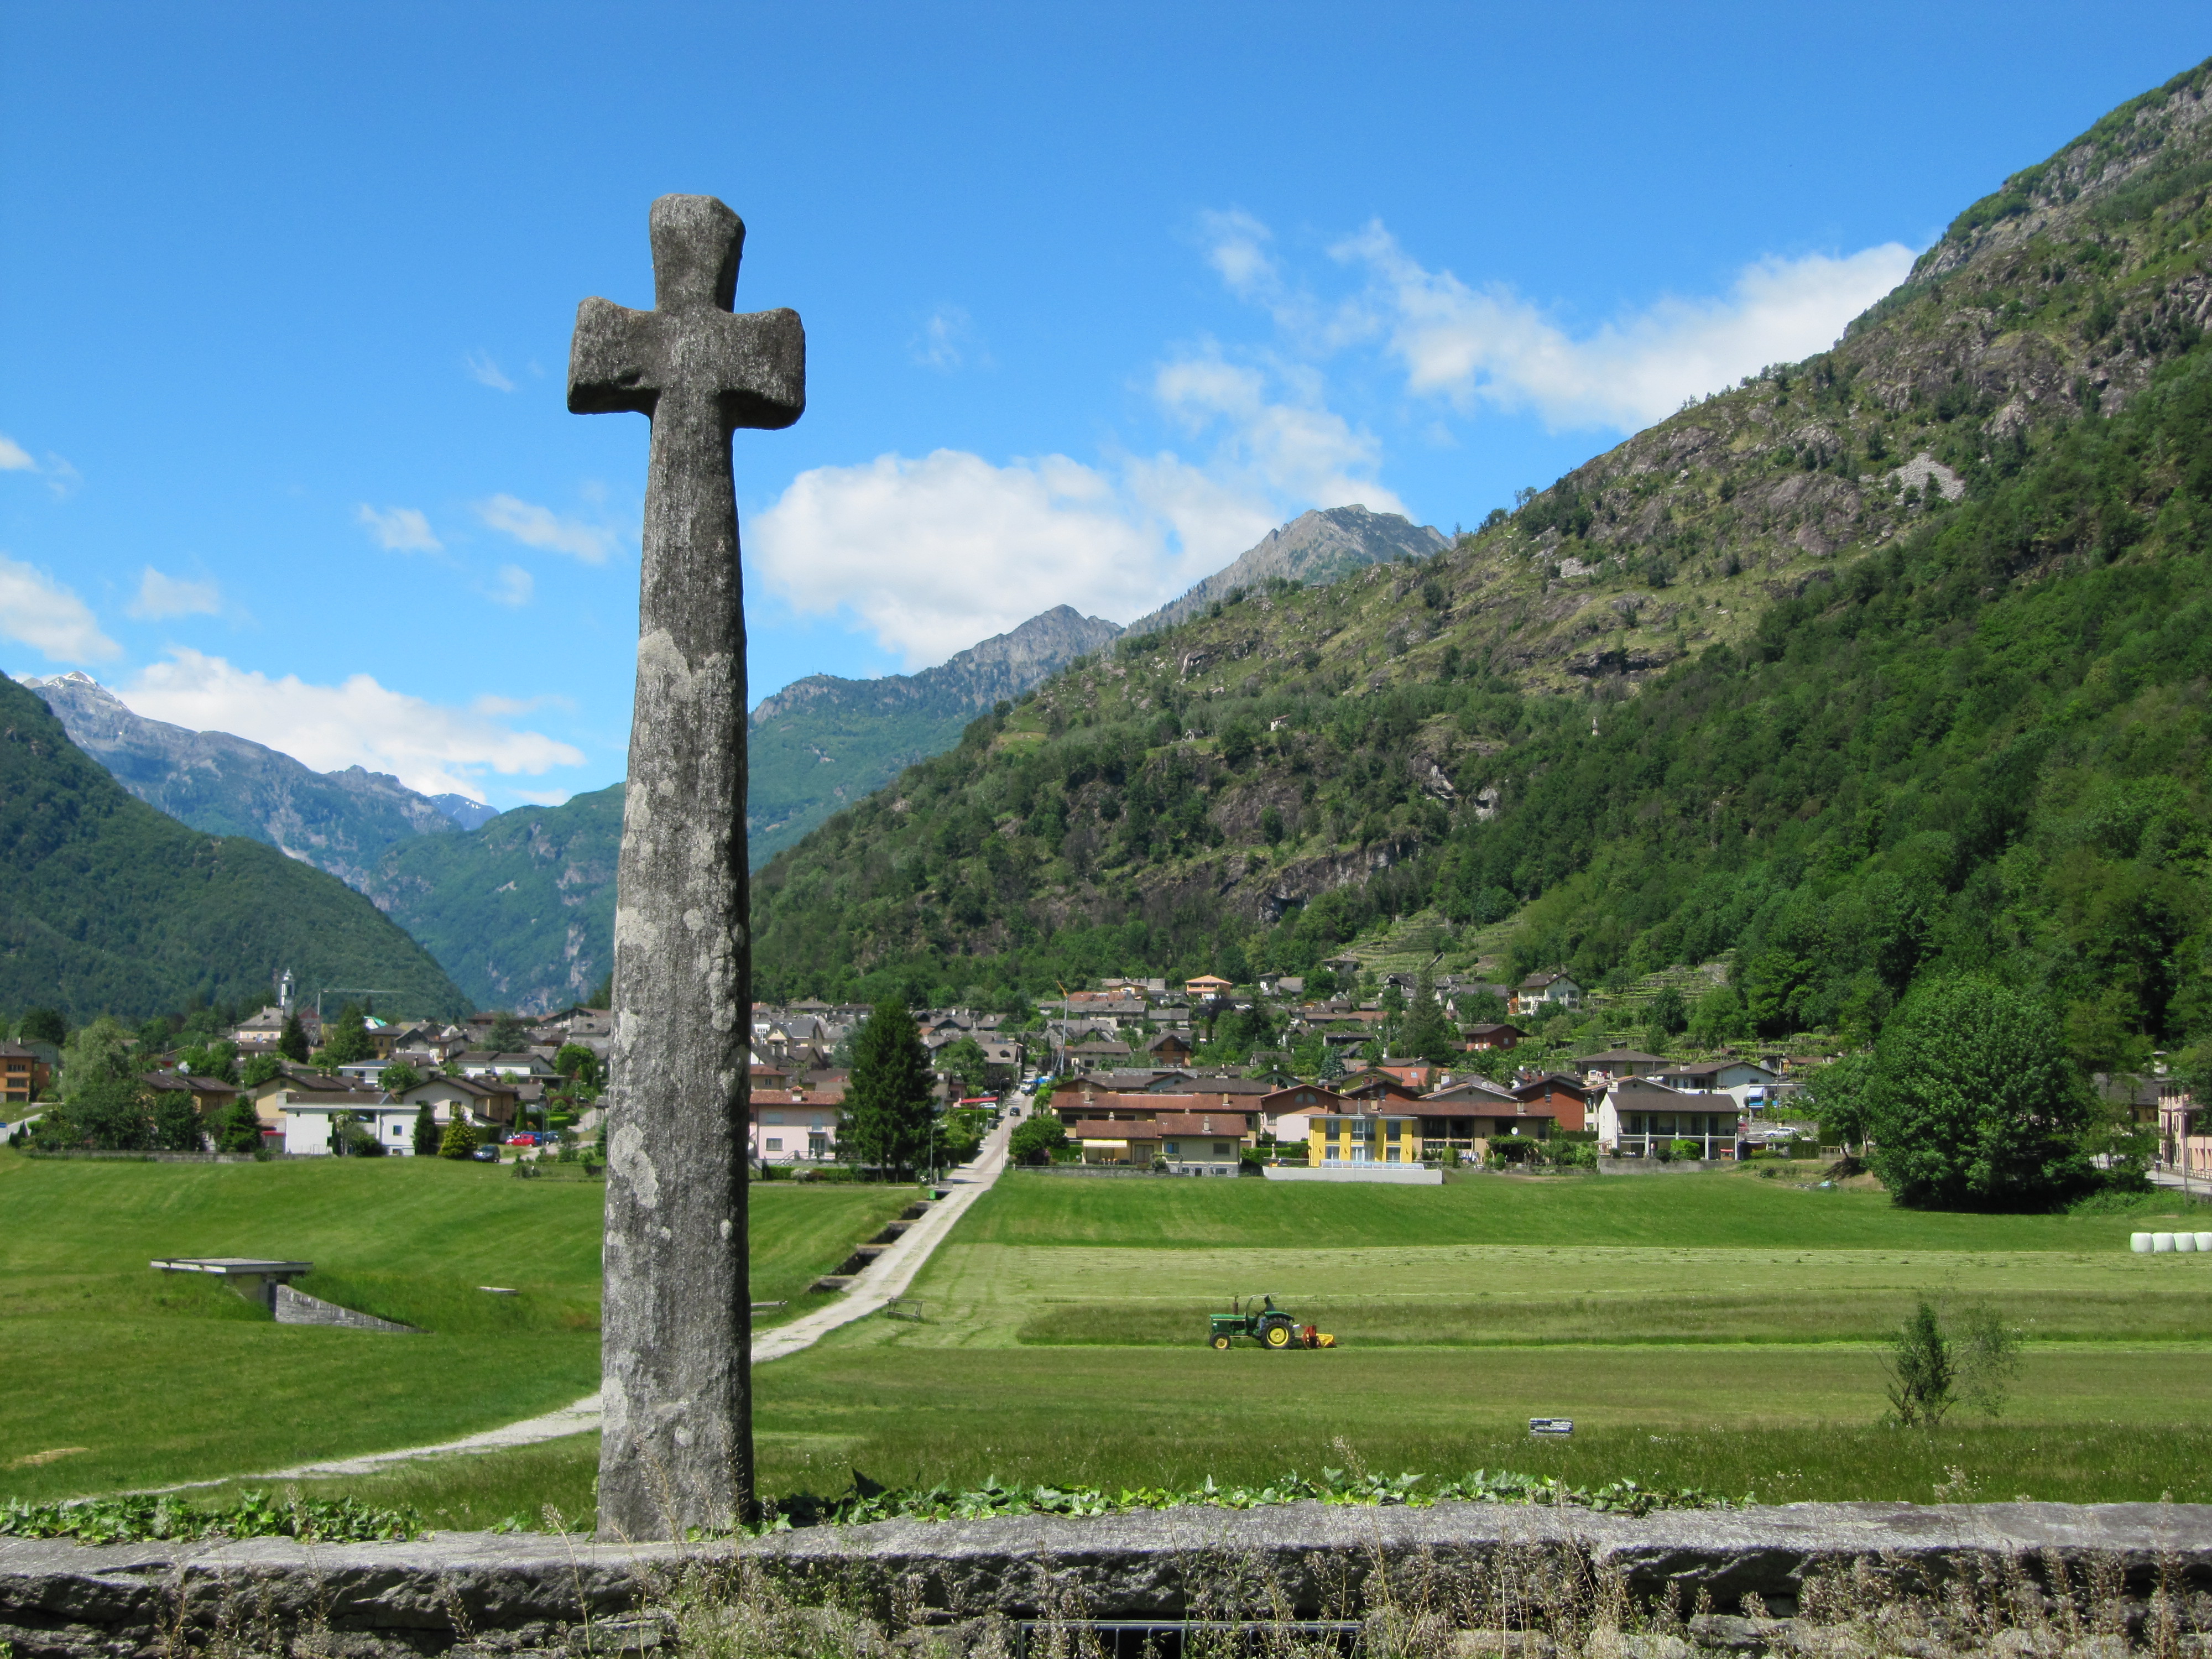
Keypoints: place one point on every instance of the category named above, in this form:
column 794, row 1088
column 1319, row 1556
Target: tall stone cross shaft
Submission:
column 676, row 1373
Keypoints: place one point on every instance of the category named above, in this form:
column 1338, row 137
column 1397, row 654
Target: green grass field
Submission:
column 116, row 1376
column 1715, row 1331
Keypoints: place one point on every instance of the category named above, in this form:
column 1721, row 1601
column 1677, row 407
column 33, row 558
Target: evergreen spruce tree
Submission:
column 426, row 1131
column 292, row 1043
column 240, row 1128
column 460, row 1139
column 1428, row 1032
column 889, row 1102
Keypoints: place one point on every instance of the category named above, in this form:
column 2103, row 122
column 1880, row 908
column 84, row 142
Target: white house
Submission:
column 310, row 1116
column 1540, row 992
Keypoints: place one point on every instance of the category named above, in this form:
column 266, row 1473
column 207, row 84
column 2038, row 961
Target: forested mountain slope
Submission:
column 825, row 741
column 1890, row 659
column 521, row 911
column 108, row 906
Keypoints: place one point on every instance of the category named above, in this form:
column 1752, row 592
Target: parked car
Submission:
column 486, row 1154
column 527, row 1138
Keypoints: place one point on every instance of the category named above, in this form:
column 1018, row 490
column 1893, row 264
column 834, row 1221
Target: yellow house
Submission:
column 1356, row 1137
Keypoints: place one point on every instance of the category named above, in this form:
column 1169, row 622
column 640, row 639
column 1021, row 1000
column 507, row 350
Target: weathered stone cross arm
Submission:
column 750, row 369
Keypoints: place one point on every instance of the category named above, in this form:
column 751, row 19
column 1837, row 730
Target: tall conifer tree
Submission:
column 889, row 1102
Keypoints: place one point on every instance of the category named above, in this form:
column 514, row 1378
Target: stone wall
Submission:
column 298, row 1308
column 484, row 1593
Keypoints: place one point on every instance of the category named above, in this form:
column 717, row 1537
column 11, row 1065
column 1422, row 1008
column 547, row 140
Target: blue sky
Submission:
column 1094, row 295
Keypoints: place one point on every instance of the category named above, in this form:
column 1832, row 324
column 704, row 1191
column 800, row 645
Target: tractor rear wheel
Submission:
column 1276, row 1336
column 1221, row 1342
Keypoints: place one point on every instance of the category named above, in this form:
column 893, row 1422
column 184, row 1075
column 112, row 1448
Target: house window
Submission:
column 771, row 1117
column 1396, row 1129
column 775, row 1143
column 1172, row 1152
column 1221, row 1149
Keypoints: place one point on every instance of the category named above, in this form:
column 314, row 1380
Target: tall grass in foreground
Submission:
column 1966, row 1462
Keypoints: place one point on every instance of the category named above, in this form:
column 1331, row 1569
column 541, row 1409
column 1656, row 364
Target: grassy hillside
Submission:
column 520, row 912
column 155, row 1378
column 108, row 906
column 1887, row 659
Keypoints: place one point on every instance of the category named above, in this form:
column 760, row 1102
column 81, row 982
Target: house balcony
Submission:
column 1710, row 1148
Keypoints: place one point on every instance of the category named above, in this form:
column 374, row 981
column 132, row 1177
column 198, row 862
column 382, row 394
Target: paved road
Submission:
column 2195, row 1184
column 886, row 1277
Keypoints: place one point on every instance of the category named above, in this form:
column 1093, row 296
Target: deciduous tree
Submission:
column 1974, row 1102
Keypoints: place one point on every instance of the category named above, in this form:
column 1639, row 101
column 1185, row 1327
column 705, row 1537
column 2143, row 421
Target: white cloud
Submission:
column 948, row 340
column 1292, row 448
column 1235, row 247
column 485, row 372
column 516, row 585
column 430, row 747
column 62, row 479
column 1466, row 344
column 933, row 555
column 542, row 528
column 39, row 612
column 399, row 529
column 161, row 596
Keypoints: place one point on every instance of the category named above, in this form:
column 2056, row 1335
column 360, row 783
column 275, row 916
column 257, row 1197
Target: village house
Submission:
column 1287, row 1113
column 794, row 1127
column 312, row 1116
column 2184, row 1134
column 1364, row 1132
column 1543, row 994
column 1562, row 1098
column 1480, row 1038
column 478, row 1063
column 1418, row 1075
column 1372, row 1083
column 484, row 1100
column 1096, row 1052
column 1753, row 1086
column 1207, row 986
column 1169, row 1049
column 1202, row 1143
column 209, row 1094
column 1638, row 1118
column 1602, row 1068
column 1138, row 1129
column 1467, row 1115
column 23, row 1075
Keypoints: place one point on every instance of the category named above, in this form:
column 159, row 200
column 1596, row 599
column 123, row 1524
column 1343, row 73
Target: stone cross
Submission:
column 675, row 1375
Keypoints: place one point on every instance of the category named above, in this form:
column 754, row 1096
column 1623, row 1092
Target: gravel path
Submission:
column 885, row 1279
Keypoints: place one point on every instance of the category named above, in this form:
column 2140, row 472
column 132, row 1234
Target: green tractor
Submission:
column 1266, row 1324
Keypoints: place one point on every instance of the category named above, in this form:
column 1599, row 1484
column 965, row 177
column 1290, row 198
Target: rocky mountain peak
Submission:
column 1318, row 546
